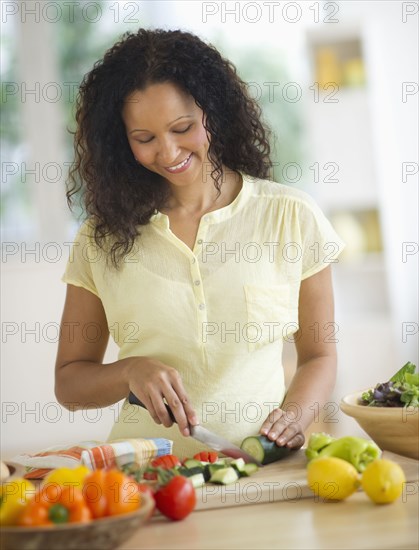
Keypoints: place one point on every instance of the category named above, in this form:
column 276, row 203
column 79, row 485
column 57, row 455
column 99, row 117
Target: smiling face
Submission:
column 166, row 134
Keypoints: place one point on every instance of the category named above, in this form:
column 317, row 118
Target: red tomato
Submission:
column 176, row 499
column 206, row 456
column 166, row 461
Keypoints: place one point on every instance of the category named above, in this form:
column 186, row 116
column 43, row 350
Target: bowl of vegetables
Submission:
column 102, row 514
column 389, row 412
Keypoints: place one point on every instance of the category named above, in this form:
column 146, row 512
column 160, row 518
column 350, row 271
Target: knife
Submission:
column 212, row 440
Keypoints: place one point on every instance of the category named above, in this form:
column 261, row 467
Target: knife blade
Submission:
column 212, row 440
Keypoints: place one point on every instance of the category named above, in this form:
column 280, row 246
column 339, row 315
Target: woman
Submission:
column 195, row 263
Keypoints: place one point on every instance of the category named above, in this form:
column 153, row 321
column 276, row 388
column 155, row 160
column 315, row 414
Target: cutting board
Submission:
column 282, row 480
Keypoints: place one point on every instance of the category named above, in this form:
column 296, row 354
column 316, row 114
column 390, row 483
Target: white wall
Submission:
column 32, row 299
column 392, row 59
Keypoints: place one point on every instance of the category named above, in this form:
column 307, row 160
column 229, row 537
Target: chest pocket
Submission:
column 270, row 314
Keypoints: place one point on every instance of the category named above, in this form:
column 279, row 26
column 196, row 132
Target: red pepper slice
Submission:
column 167, row 462
column 206, row 456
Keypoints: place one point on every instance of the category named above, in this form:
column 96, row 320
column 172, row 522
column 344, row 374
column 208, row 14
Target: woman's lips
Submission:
column 181, row 167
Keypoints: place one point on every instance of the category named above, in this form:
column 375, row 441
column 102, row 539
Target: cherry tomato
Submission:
column 177, row 498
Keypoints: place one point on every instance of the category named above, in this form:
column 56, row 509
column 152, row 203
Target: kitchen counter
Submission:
column 354, row 524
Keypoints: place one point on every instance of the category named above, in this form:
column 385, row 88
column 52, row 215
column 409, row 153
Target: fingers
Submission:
column 167, row 394
column 274, row 415
column 159, row 384
column 283, row 428
column 184, row 403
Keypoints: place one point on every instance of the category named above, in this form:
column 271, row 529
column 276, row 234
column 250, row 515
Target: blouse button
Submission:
column 197, row 283
column 200, row 241
column 201, row 306
column 193, row 260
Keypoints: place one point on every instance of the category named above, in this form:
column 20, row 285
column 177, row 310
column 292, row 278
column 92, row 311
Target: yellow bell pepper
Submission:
column 14, row 497
column 68, row 476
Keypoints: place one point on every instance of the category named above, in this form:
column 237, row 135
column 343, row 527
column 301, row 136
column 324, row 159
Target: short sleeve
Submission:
column 83, row 253
column 321, row 245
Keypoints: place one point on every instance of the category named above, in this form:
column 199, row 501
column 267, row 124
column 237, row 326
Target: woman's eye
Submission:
column 183, row 131
column 144, row 140
column 175, row 131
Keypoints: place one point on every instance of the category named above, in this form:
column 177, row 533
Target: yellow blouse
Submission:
column 219, row 313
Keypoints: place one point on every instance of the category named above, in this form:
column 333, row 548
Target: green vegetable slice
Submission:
column 225, row 476
column 263, row 449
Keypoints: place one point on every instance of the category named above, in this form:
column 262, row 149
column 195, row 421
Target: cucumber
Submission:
column 238, row 464
column 224, row 476
column 263, row 449
column 210, row 469
column 207, row 473
column 197, row 480
column 192, row 463
column 244, row 470
column 189, row 472
column 249, row 469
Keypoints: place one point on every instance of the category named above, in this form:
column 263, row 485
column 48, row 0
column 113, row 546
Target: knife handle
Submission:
column 133, row 400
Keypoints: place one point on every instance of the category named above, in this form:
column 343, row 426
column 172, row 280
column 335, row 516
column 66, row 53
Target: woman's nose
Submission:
column 168, row 151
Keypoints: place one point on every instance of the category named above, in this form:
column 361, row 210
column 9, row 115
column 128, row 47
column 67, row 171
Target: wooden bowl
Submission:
column 99, row 534
column 394, row 429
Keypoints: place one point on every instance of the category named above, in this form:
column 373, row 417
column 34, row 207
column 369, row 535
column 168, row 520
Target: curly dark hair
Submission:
column 119, row 195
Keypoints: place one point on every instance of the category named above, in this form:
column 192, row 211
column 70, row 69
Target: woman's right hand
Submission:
column 152, row 381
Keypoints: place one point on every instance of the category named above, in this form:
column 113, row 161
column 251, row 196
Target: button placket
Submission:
column 198, row 283
column 198, row 287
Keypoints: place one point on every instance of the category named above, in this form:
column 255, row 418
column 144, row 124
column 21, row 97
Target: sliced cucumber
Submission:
column 244, row 470
column 263, row 449
column 197, row 480
column 225, row 476
column 192, row 463
column 210, row 469
column 189, row 472
column 239, row 464
column 207, row 473
column 249, row 469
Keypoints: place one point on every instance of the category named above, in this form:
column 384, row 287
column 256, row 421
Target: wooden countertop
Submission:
column 353, row 524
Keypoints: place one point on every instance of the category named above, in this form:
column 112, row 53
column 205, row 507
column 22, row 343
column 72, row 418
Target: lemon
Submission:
column 73, row 476
column 332, row 478
column 14, row 496
column 383, row 480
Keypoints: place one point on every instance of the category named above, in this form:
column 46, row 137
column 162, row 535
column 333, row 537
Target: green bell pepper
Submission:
column 356, row 450
column 317, row 442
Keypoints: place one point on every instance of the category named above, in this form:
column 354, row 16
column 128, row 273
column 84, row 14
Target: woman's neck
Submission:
column 196, row 200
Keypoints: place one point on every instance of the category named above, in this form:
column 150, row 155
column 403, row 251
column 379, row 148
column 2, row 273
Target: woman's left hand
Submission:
column 283, row 428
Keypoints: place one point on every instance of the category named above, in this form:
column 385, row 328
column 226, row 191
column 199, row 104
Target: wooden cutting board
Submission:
column 282, row 480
